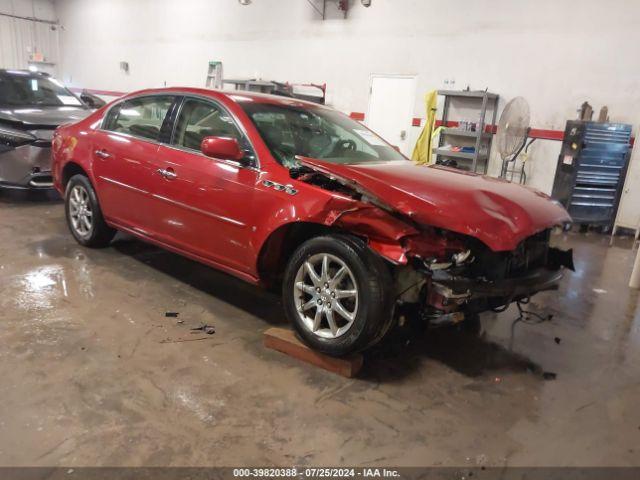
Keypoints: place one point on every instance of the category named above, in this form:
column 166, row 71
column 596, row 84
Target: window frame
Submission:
column 117, row 106
column 255, row 165
column 168, row 125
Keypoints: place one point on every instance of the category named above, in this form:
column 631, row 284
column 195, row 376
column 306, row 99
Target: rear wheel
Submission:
column 336, row 294
column 84, row 217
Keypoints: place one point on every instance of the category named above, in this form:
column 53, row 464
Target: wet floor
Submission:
column 94, row 373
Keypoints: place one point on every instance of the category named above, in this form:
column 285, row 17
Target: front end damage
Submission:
column 477, row 279
column 441, row 276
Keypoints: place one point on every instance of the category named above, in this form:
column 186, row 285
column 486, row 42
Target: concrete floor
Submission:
column 93, row 373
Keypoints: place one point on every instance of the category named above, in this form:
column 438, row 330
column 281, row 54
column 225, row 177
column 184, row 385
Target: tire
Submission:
column 81, row 202
column 471, row 324
column 369, row 308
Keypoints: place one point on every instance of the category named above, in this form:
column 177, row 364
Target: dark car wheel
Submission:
column 84, row 216
column 471, row 324
column 336, row 292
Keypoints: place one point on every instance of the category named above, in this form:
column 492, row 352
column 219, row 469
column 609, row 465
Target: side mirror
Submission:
column 91, row 100
column 225, row 148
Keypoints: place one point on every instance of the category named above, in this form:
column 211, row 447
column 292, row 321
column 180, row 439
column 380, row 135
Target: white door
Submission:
column 629, row 210
column 391, row 106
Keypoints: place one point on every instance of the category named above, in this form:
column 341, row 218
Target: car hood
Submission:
column 498, row 213
column 42, row 117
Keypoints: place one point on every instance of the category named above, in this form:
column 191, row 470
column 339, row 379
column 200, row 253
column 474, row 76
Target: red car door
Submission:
column 124, row 150
column 204, row 205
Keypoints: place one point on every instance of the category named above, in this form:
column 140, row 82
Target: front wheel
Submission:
column 336, row 292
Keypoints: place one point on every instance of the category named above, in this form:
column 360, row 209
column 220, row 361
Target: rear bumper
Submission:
column 26, row 167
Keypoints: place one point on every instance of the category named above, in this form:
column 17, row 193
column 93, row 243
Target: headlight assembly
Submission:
column 15, row 138
column 461, row 257
column 457, row 259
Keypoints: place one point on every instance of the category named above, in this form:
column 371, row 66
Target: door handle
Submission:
column 166, row 173
column 102, row 154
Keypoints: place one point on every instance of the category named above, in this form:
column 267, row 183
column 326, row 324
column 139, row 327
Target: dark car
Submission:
column 32, row 105
column 283, row 192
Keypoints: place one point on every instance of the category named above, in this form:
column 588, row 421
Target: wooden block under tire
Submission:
column 284, row 340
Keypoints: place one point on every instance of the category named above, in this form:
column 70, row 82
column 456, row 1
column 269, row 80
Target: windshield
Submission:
column 25, row 89
column 316, row 132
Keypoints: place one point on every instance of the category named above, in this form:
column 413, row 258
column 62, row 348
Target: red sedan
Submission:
column 279, row 191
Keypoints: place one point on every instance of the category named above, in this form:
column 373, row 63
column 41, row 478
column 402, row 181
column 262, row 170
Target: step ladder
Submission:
column 214, row 75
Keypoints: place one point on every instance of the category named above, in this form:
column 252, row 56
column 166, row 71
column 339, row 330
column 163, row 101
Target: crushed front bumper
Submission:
column 450, row 294
column 26, row 166
column 455, row 285
column 535, row 281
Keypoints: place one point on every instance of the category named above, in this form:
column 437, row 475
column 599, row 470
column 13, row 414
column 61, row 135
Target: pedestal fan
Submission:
column 511, row 138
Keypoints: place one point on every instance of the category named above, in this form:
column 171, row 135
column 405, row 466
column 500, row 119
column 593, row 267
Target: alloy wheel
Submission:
column 326, row 295
column 80, row 211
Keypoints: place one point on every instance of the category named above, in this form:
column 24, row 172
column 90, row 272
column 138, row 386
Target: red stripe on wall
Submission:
column 533, row 133
column 546, row 134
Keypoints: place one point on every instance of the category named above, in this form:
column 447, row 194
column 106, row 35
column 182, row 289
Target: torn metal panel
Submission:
column 498, row 213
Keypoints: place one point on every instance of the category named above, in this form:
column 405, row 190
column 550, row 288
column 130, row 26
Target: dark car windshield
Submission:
column 22, row 89
column 316, row 132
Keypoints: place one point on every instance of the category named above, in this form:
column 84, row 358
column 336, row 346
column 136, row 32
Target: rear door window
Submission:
column 141, row 117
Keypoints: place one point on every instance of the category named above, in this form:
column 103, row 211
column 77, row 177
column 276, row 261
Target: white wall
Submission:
column 556, row 54
column 19, row 38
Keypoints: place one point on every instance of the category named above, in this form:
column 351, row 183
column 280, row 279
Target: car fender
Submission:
column 66, row 148
column 313, row 205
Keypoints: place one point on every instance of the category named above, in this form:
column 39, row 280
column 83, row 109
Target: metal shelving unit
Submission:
column 463, row 155
column 475, row 161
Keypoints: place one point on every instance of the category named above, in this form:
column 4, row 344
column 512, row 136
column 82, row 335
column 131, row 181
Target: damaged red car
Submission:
column 297, row 196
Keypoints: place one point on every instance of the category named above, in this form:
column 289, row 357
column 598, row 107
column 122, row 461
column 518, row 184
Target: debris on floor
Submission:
column 557, row 340
column 549, row 375
column 530, row 317
column 171, row 314
column 208, row 329
column 182, row 340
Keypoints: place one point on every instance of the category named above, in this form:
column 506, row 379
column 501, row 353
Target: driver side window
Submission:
column 199, row 119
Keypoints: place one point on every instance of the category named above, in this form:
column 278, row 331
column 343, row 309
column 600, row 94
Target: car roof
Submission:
column 21, row 72
column 238, row 96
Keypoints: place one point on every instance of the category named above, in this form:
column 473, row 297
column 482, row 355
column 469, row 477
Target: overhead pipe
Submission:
column 30, row 19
